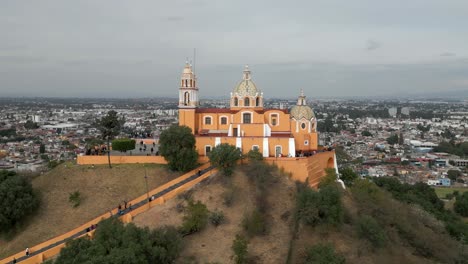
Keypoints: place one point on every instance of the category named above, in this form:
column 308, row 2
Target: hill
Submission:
column 101, row 189
column 369, row 225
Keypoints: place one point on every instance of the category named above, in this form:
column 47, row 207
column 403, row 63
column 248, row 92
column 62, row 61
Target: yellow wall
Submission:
column 95, row 160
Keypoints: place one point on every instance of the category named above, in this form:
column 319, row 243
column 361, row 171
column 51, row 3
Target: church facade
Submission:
column 246, row 124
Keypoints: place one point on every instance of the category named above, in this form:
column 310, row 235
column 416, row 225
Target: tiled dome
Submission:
column 302, row 111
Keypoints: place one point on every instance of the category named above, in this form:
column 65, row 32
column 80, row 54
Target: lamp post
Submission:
column 146, row 182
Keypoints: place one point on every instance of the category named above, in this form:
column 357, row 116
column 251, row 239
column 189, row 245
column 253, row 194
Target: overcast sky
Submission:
column 116, row 48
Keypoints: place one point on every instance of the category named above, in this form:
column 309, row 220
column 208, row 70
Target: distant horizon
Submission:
column 366, row 48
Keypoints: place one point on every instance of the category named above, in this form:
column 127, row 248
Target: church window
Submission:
column 247, row 118
column 303, row 125
column 236, row 101
column 274, row 120
column 247, row 102
column 186, row 98
column 255, row 148
column 306, row 142
column 207, row 120
column 186, row 83
column 207, row 149
column 257, row 101
column 223, row 120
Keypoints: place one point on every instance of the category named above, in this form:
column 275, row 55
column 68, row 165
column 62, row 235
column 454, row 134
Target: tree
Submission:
column 239, row 247
column 393, row 139
column 368, row 228
column 254, row 155
column 42, row 149
column 110, row 126
column 117, row 243
column 30, row 125
column 177, row 146
column 195, row 218
column 461, row 204
column 123, row 144
column 348, row 175
column 224, row 157
column 453, row 174
column 17, row 199
column 366, row 133
column 323, row 254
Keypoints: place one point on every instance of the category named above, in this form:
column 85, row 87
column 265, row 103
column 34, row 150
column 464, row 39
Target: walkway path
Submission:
column 123, row 212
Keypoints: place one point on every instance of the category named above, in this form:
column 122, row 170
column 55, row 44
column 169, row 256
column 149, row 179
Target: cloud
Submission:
column 175, row 18
column 448, row 54
column 373, row 45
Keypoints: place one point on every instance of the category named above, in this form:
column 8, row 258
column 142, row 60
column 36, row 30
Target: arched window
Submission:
column 303, row 125
column 274, row 119
column 236, row 101
column 247, row 118
column 246, row 101
column 223, row 120
column 257, row 101
column 207, row 120
column 186, row 98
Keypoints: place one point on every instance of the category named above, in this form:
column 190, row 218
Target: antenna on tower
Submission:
column 194, row 54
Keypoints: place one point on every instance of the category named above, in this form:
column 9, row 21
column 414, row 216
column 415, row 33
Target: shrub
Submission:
column 75, row 198
column 255, row 223
column 461, row 205
column 254, row 155
column 195, row 218
column 239, row 247
column 323, row 254
column 17, row 199
column 225, row 157
column 229, row 196
column 217, row 217
column 348, row 175
column 123, row 144
column 369, row 229
column 322, row 207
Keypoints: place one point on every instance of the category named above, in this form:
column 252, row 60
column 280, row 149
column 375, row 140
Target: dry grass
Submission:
column 213, row 244
column 101, row 189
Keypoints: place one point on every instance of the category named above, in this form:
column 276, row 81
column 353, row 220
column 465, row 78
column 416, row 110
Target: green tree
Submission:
column 366, row 133
column 323, row 254
column 368, row 228
column 461, row 205
column 393, row 139
column 30, row 125
column 195, row 218
column 254, row 155
column 177, row 146
column 123, row 144
column 453, row 174
column 225, row 157
column 17, row 199
column 42, row 149
column 117, row 243
column 348, row 175
column 110, row 126
column 239, row 247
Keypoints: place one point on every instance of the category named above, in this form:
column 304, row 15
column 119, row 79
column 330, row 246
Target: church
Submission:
column 246, row 124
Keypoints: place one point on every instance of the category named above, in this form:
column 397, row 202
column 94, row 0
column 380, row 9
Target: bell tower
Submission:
column 188, row 98
column 188, row 91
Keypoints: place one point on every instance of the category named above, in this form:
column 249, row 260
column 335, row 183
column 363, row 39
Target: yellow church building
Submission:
column 246, row 124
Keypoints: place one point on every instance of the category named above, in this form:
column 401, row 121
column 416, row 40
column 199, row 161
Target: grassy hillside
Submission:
column 363, row 224
column 101, row 189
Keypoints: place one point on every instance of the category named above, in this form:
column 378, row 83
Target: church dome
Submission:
column 246, row 87
column 302, row 111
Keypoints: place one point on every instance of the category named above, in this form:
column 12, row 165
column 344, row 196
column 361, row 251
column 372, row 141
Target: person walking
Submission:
column 27, row 251
column 14, row 261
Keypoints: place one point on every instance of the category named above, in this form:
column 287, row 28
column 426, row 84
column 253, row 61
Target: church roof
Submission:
column 246, row 87
column 229, row 111
column 302, row 111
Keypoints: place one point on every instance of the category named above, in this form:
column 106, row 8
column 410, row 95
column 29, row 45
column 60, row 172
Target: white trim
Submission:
column 239, row 143
column 217, row 141
column 227, row 120
column 204, row 119
column 306, row 142
column 251, row 116
column 211, row 148
column 292, row 148
column 266, row 148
